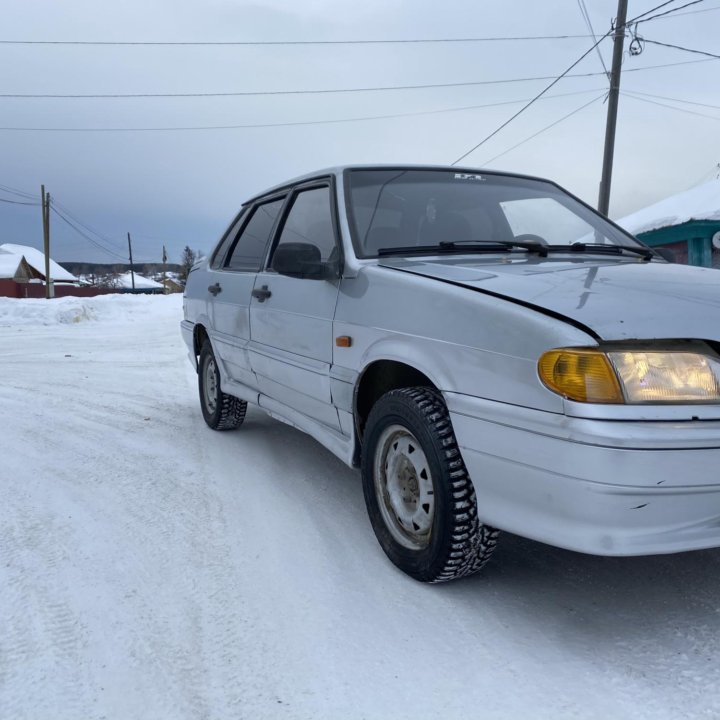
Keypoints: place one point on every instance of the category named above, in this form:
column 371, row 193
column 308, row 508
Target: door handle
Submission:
column 215, row 289
column 262, row 294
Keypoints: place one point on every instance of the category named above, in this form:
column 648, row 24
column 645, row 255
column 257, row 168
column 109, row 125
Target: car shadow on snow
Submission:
column 603, row 600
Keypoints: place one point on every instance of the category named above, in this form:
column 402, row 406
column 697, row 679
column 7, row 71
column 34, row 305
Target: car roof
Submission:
column 338, row 170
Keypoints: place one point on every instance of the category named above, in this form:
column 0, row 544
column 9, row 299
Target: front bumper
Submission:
column 595, row 486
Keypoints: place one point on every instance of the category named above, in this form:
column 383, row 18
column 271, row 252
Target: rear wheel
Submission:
column 221, row 411
column 420, row 499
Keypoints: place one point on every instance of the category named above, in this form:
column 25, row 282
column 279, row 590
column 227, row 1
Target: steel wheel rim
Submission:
column 404, row 487
column 210, row 385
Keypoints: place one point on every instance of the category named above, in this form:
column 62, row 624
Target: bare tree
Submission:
column 187, row 260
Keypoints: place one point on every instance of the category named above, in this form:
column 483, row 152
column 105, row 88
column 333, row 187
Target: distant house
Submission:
column 15, row 274
column 688, row 223
column 145, row 286
column 171, row 285
column 22, row 275
column 36, row 259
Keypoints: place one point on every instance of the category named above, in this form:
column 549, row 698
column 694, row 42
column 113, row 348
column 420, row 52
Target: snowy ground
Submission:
column 151, row 568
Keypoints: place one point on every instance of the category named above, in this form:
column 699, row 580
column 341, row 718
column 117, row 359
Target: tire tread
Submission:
column 471, row 542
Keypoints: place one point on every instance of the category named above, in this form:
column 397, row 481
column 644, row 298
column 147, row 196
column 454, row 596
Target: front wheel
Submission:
column 221, row 411
column 419, row 497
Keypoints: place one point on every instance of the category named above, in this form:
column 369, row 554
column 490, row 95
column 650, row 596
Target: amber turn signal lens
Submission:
column 580, row 375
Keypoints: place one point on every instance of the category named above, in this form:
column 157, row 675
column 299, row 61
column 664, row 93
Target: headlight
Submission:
column 631, row 376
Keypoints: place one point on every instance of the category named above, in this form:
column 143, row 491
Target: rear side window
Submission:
column 221, row 250
column 250, row 245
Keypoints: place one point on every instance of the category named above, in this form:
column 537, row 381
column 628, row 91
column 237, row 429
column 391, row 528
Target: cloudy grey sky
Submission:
column 183, row 186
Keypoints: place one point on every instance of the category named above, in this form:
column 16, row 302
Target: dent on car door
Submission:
column 291, row 317
column 231, row 286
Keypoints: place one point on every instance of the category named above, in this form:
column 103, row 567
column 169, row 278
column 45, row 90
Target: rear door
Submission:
column 291, row 328
column 231, row 285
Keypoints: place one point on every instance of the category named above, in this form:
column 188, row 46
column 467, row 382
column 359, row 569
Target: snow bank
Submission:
column 699, row 203
column 103, row 308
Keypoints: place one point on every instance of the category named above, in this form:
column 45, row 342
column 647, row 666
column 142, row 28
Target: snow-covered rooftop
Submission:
column 36, row 259
column 9, row 264
column 699, row 203
column 125, row 281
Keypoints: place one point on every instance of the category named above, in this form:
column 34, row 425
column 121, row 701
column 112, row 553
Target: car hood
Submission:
column 615, row 299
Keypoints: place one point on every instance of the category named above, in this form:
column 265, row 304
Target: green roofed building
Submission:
column 687, row 223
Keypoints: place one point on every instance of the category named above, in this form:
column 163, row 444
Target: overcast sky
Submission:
column 182, row 187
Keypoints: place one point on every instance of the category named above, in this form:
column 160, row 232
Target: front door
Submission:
column 291, row 338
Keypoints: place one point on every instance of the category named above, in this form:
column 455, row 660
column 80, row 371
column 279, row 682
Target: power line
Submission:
column 256, row 93
column 680, row 47
column 17, row 202
column 547, row 127
column 678, row 100
column 87, row 237
column 296, row 123
column 274, row 43
column 586, row 18
column 690, row 12
column 531, row 102
column 15, row 191
column 325, row 91
column 83, row 225
column 652, row 10
column 672, row 11
column 558, row 78
column 671, row 107
column 70, row 220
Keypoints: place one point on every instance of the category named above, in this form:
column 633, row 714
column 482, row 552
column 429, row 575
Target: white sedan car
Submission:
column 490, row 351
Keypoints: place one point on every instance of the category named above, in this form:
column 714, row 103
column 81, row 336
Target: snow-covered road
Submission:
column 151, row 568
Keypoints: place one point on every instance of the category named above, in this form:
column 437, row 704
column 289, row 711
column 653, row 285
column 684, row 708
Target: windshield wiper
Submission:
column 466, row 246
column 645, row 253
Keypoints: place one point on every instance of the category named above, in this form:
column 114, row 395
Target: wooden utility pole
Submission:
column 619, row 40
column 45, row 197
column 132, row 269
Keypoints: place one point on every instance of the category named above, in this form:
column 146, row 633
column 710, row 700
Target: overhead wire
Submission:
column 547, row 127
column 15, row 191
column 689, row 12
column 678, row 100
column 586, row 17
column 297, row 123
column 671, row 107
column 558, row 78
column 83, row 234
column 87, row 227
column 258, row 93
column 18, row 202
column 680, row 47
column 531, row 102
column 672, row 11
column 272, row 43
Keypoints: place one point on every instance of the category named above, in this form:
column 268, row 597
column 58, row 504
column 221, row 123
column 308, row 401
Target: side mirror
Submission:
column 666, row 254
column 302, row 260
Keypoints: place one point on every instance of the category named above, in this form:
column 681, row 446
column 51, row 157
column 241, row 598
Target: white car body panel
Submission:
column 604, row 479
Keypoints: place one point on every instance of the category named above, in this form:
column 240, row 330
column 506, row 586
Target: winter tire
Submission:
column 221, row 411
column 419, row 497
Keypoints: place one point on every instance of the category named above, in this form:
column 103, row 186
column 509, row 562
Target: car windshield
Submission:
column 402, row 209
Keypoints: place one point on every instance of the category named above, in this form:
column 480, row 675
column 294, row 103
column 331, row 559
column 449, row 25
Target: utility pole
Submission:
column 132, row 269
column 45, row 204
column 619, row 40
